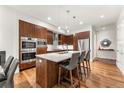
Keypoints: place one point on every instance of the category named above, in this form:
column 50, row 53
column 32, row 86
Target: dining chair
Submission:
column 73, row 64
column 3, row 76
column 9, row 83
column 7, row 64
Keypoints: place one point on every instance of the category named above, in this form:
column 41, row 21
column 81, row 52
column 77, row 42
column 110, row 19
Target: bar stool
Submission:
column 3, row 76
column 87, row 60
column 82, row 65
column 9, row 82
column 69, row 67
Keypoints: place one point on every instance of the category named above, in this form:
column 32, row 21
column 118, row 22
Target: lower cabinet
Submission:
column 24, row 66
column 46, row 73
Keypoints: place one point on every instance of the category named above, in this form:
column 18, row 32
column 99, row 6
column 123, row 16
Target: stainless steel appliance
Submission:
column 28, row 43
column 41, row 43
column 28, row 49
column 28, row 56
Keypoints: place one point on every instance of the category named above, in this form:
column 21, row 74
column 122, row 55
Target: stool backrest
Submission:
column 7, row 64
column 10, row 74
column 88, row 55
column 81, row 58
column 74, row 60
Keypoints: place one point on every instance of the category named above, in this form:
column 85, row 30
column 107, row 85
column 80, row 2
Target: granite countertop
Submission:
column 57, row 57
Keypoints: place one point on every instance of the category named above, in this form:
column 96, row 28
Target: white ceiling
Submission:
column 90, row 15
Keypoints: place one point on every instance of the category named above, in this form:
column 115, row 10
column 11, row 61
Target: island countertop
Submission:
column 57, row 56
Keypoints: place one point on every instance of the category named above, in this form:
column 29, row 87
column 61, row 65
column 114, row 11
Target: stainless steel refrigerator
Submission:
column 83, row 44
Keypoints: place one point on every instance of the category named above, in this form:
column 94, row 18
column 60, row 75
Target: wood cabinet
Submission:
column 40, row 32
column 50, row 37
column 46, row 73
column 69, row 40
column 41, row 50
column 66, row 39
column 83, row 35
column 26, row 29
column 24, row 66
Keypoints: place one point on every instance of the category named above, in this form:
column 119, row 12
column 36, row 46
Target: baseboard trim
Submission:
column 120, row 68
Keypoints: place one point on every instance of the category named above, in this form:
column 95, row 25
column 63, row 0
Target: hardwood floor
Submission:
column 102, row 75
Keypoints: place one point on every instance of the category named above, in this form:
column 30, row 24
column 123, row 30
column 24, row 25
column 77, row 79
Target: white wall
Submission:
column 9, row 29
column 120, row 43
column 108, row 33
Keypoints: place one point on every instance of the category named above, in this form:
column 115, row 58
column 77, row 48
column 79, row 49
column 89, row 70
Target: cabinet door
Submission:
column 22, row 29
column 31, row 30
column 40, row 32
column 63, row 41
column 49, row 37
column 44, row 33
column 69, row 40
column 26, row 29
column 41, row 50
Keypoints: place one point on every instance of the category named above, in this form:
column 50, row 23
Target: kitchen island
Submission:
column 47, row 67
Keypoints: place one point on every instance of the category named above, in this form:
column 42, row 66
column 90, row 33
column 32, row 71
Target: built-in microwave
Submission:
column 41, row 43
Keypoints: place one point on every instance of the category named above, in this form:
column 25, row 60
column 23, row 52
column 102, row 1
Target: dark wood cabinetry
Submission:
column 66, row 39
column 46, row 73
column 24, row 66
column 41, row 50
column 69, row 40
column 40, row 32
column 50, row 37
column 27, row 29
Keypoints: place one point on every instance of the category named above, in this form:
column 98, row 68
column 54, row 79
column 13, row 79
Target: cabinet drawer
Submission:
column 24, row 66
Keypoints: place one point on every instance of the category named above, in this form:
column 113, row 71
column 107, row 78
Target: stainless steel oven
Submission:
column 28, row 56
column 28, row 43
column 28, row 49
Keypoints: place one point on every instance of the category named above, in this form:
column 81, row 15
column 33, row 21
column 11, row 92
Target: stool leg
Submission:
column 71, row 78
column 59, row 79
column 89, row 65
column 78, row 76
column 80, row 71
column 84, row 68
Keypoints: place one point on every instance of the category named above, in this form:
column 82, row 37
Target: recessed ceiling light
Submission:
column 67, row 31
column 81, row 23
column 49, row 18
column 59, row 27
column 103, row 28
column 102, row 16
column 66, row 27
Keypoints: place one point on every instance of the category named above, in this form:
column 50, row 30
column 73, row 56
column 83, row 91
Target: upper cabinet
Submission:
column 40, row 32
column 26, row 29
column 65, row 39
column 50, row 35
column 69, row 40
